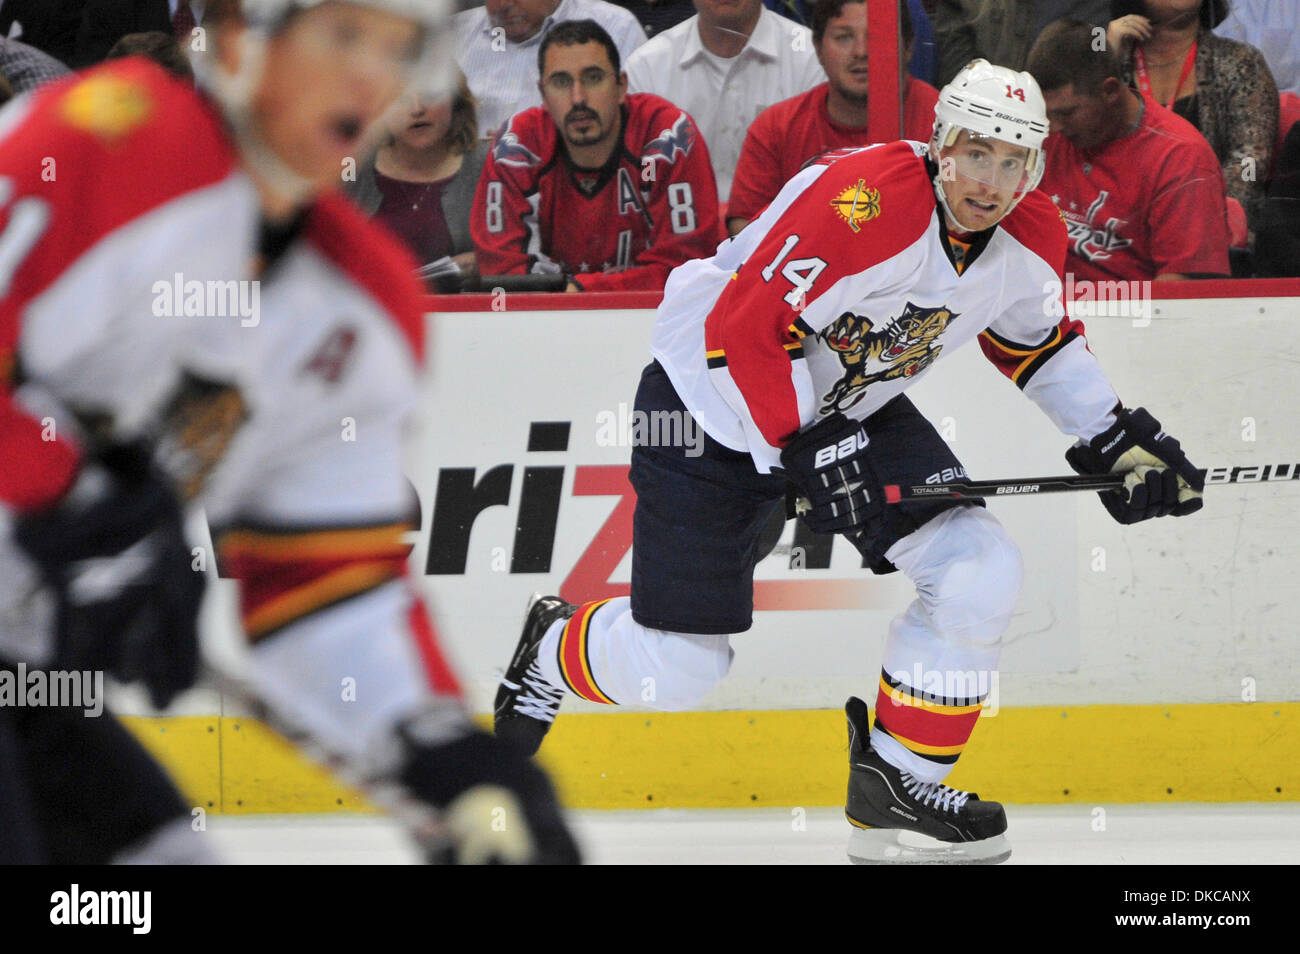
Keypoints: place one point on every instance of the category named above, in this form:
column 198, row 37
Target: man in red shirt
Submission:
column 609, row 189
column 830, row 116
column 1139, row 187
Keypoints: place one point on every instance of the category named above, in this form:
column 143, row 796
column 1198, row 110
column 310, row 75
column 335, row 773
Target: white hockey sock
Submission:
column 604, row 655
column 942, row 652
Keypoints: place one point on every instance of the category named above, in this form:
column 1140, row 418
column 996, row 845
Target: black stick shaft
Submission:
column 1019, row 487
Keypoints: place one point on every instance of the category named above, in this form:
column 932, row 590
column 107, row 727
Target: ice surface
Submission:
column 1040, row 834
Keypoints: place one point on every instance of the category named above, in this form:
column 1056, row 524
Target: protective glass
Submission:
column 590, row 78
column 977, row 158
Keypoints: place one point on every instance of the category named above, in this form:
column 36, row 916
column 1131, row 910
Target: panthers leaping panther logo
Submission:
column 905, row 348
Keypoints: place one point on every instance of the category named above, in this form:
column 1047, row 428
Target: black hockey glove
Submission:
column 115, row 555
column 1159, row 481
column 830, row 466
column 497, row 805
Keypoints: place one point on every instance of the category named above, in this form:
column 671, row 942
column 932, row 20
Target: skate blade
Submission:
column 894, row 846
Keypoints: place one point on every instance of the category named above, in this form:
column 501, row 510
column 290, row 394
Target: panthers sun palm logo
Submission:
column 900, row 350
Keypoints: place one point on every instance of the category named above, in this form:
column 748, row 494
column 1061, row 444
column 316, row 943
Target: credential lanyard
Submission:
column 1144, row 78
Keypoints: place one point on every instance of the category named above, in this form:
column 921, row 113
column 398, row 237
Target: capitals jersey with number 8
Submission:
column 625, row 226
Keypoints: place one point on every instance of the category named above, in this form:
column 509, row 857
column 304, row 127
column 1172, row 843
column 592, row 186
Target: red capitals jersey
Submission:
column 1151, row 202
column 785, row 136
column 626, row 226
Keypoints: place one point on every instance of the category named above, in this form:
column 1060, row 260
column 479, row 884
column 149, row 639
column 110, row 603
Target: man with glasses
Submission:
column 496, row 46
column 612, row 190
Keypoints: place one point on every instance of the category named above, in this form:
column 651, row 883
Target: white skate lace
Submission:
column 537, row 698
column 944, row 798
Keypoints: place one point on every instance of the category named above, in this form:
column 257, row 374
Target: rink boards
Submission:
column 1148, row 663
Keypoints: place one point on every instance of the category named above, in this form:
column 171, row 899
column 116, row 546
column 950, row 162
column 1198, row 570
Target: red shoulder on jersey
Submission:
column 375, row 259
column 863, row 210
column 658, row 129
column 529, row 141
column 81, row 158
column 98, row 150
column 1037, row 224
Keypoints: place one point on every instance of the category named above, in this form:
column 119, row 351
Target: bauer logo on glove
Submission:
column 1159, row 480
column 845, row 448
column 829, row 465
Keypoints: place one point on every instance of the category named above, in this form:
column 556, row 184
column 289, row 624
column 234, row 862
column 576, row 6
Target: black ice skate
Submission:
column 526, row 703
column 898, row 819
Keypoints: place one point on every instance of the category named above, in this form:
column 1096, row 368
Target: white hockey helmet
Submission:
column 994, row 102
column 431, row 73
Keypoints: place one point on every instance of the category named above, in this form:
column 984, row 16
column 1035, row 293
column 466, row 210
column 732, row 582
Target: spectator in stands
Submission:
column 26, row 67
column 1277, row 249
column 830, row 116
column 421, row 182
column 924, row 61
column 496, row 46
column 1139, row 188
column 724, row 66
column 104, row 22
column 1222, row 87
column 48, row 25
column 1273, row 28
column 612, row 190
column 1001, row 31
column 655, row 16
column 160, row 47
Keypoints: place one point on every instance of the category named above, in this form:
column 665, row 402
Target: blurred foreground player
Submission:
column 792, row 348
column 197, row 189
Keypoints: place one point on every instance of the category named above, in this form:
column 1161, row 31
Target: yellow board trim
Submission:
column 1211, row 752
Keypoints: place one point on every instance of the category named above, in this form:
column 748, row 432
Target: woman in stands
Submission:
column 1222, row 87
column 421, row 182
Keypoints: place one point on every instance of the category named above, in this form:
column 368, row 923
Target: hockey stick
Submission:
column 420, row 819
column 896, row 493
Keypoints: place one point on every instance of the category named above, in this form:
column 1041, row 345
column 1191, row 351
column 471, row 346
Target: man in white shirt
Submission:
column 724, row 66
column 1272, row 27
column 497, row 44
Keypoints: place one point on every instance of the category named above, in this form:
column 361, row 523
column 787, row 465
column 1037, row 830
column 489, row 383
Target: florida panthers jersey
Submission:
column 113, row 184
column 846, row 291
column 653, row 206
column 309, row 507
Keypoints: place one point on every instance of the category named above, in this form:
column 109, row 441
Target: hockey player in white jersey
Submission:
column 792, row 348
column 158, row 186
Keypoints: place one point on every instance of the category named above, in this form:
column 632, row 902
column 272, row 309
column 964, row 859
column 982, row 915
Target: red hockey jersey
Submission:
column 626, row 226
column 112, row 183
